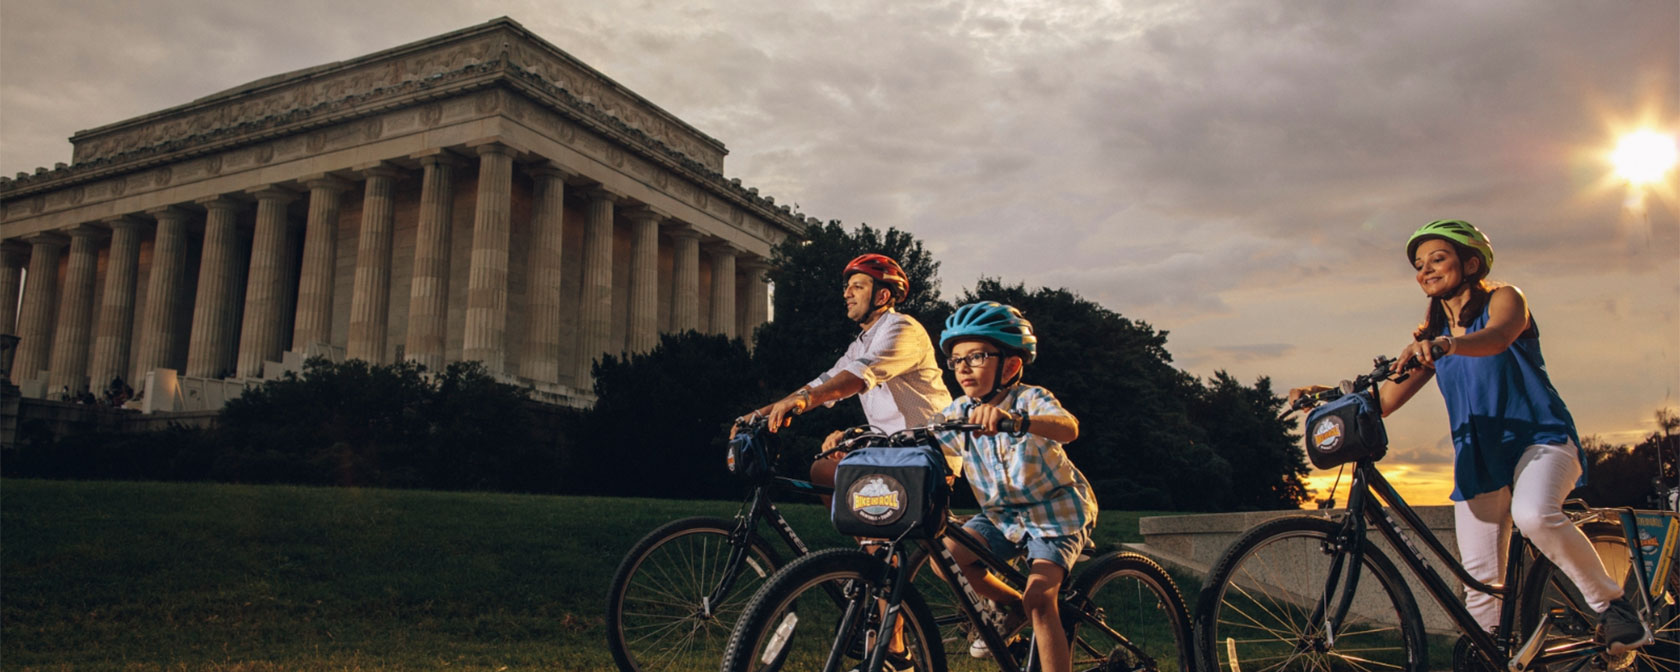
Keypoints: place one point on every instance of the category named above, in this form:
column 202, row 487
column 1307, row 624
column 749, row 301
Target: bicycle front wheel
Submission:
column 659, row 617
column 1135, row 600
column 1545, row 588
column 823, row 612
column 1256, row 609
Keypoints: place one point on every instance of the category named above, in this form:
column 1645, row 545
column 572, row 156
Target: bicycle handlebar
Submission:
column 1382, row 369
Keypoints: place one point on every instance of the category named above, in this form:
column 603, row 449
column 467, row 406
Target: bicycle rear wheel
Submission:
column 822, row 611
column 1138, row 601
column 1544, row 587
column 657, row 616
column 1255, row 612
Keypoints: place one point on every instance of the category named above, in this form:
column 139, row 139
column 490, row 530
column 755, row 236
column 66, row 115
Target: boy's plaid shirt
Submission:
column 1025, row 483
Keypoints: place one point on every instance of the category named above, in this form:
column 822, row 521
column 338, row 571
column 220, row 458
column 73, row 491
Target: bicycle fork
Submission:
column 1346, row 551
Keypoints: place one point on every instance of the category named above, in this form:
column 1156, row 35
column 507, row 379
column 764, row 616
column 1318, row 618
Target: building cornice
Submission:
column 496, row 54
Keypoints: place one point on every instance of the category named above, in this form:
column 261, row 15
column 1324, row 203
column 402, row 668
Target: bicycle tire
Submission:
column 1141, row 602
column 795, row 623
column 1545, row 587
column 655, row 616
column 1256, row 603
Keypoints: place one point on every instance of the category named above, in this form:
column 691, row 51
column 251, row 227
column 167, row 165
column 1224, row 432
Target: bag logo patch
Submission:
column 877, row 499
column 1328, row 434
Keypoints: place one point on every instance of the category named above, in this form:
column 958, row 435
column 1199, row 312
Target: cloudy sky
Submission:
column 1241, row 174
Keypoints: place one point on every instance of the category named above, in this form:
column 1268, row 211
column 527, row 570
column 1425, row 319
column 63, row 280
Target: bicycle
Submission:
column 793, row 622
column 675, row 596
column 1313, row 592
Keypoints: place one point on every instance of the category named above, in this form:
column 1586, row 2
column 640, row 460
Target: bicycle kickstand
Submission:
column 1536, row 641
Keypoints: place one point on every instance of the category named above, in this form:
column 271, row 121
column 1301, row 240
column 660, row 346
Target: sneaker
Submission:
column 1620, row 627
column 1012, row 623
column 895, row 662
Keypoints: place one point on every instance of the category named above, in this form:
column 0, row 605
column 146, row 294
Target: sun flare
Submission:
column 1644, row 156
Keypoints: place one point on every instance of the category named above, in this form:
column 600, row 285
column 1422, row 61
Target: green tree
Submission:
column 1242, row 426
column 661, row 419
column 1621, row 475
column 354, row 423
column 1137, row 443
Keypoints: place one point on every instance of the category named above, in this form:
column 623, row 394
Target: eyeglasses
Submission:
column 974, row 359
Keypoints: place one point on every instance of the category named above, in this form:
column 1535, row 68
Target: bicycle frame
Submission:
column 1369, row 494
column 970, row 600
column 760, row 506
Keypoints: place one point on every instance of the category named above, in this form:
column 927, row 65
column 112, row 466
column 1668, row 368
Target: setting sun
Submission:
column 1644, row 156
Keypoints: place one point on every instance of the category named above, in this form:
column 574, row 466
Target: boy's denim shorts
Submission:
column 1060, row 550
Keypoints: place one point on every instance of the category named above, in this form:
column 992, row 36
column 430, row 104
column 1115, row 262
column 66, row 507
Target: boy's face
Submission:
column 976, row 380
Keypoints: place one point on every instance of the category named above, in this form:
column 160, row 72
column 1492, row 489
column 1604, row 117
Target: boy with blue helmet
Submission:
column 1033, row 500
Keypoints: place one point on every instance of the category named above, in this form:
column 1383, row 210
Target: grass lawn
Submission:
column 150, row 576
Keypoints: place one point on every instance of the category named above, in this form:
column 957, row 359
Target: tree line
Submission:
column 1152, row 436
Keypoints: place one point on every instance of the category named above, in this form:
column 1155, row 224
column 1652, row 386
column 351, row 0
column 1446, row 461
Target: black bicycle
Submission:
column 884, row 621
column 677, row 592
column 1314, row 592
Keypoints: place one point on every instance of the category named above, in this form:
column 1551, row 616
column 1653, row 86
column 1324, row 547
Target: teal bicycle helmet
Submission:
column 994, row 322
column 1456, row 231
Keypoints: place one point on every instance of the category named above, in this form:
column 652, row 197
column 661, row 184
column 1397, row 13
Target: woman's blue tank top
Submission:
column 1499, row 406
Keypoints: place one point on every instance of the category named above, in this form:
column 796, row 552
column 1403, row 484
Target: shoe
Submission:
column 1619, row 626
column 1011, row 624
column 895, row 662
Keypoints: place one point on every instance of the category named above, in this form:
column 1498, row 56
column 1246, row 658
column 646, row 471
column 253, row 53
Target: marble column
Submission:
column 428, row 291
column 541, row 360
column 265, row 291
column 723, row 288
column 158, row 326
column 72, row 338
column 13, row 256
column 370, row 297
column 595, row 295
column 642, row 332
column 487, row 273
column 112, row 341
column 210, row 345
column 313, row 323
column 40, row 305
column 685, row 278
column 757, row 310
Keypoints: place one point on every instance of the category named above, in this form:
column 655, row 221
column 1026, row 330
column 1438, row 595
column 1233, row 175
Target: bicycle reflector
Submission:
column 1346, row 430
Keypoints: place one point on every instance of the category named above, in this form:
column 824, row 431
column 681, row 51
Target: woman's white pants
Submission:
column 1545, row 475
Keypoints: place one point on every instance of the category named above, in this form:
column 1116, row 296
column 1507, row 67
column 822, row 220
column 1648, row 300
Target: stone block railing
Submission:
column 1192, row 543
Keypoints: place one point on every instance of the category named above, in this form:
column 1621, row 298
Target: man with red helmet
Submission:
column 891, row 366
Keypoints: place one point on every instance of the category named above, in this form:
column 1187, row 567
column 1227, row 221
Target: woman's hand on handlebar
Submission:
column 1425, row 352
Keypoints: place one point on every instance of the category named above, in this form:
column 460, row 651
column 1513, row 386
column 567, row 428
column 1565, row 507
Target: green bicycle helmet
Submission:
column 995, row 322
column 1457, row 231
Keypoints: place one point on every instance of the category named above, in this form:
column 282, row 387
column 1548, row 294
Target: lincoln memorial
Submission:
column 481, row 195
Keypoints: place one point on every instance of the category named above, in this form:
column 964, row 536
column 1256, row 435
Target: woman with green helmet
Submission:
column 1516, row 451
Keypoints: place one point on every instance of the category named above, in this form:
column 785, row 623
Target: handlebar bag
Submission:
column 884, row 492
column 1346, row 430
column 749, row 457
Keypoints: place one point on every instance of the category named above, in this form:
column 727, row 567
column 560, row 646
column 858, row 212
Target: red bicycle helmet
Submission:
column 884, row 270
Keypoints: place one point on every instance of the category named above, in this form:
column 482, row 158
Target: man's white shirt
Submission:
column 900, row 372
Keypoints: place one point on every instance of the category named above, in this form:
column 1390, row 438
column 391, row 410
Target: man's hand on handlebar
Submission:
column 781, row 413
